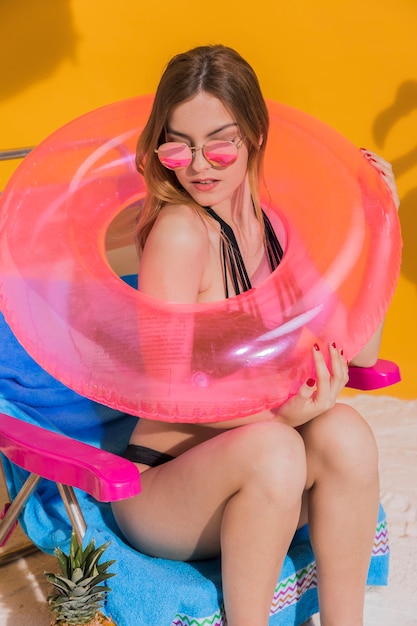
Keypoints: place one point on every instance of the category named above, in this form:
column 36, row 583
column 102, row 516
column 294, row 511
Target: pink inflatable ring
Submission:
column 200, row 362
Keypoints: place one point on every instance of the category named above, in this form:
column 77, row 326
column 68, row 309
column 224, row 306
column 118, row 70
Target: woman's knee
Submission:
column 275, row 457
column 343, row 441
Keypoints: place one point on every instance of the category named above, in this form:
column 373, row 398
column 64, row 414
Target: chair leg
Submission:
column 9, row 520
column 74, row 511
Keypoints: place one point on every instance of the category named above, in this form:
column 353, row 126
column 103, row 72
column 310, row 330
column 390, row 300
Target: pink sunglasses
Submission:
column 175, row 155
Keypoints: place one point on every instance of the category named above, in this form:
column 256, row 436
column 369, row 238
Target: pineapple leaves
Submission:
column 78, row 589
column 63, row 562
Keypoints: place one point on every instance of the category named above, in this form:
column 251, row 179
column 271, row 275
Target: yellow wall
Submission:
column 352, row 64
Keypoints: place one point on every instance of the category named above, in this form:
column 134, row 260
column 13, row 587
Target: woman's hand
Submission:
column 385, row 169
column 316, row 396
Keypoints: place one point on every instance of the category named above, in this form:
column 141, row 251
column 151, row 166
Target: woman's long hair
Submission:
column 220, row 72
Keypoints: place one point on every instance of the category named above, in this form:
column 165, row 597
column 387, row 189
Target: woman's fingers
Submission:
column 329, row 381
column 385, row 169
column 317, row 394
column 339, row 366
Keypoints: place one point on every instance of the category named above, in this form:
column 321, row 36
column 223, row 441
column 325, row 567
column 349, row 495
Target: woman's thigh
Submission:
column 179, row 512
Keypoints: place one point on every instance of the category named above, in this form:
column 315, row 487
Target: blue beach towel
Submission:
column 146, row 591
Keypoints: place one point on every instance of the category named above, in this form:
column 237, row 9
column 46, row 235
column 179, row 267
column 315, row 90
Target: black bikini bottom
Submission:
column 146, row 456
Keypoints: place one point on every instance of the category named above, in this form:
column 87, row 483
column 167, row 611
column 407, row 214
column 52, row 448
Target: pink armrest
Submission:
column 103, row 475
column 382, row 374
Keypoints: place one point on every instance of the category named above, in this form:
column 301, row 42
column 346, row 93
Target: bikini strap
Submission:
column 233, row 256
column 273, row 247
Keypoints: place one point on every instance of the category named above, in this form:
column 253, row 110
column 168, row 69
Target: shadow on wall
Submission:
column 35, row 37
column 404, row 104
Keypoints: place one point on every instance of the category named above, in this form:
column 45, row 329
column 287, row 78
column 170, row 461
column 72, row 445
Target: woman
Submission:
column 241, row 487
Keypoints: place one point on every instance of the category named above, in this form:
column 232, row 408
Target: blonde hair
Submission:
column 220, row 72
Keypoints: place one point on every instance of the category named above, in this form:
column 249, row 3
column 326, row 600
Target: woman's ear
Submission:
column 261, row 140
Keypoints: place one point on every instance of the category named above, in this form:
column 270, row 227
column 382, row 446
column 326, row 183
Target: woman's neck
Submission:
column 237, row 210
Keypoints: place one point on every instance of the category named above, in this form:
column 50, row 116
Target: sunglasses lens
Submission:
column 175, row 155
column 220, row 153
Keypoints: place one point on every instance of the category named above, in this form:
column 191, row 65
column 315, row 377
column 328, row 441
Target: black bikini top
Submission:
column 232, row 257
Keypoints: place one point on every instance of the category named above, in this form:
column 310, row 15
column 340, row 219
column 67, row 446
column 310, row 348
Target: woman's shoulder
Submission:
column 180, row 224
column 175, row 255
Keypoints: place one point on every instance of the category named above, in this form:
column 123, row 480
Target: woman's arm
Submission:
column 368, row 356
column 171, row 269
column 174, row 257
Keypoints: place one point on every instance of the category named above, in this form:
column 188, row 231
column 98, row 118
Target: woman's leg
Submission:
column 240, row 492
column 343, row 497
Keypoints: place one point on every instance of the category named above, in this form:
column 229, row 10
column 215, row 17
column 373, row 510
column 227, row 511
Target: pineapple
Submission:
column 79, row 594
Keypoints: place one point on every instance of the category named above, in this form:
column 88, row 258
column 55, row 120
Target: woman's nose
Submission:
column 199, row 162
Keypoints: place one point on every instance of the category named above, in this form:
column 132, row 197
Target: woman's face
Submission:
column 195, row 122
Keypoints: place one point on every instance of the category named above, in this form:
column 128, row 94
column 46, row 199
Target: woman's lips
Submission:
column 205, row 185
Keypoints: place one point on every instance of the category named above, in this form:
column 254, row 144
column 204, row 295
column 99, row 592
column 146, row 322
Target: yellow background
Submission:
column 352, row 64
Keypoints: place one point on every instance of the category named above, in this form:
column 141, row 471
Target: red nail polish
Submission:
column 334, row 344
column 341, row 352
column 316, row 347
column 311, row 382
